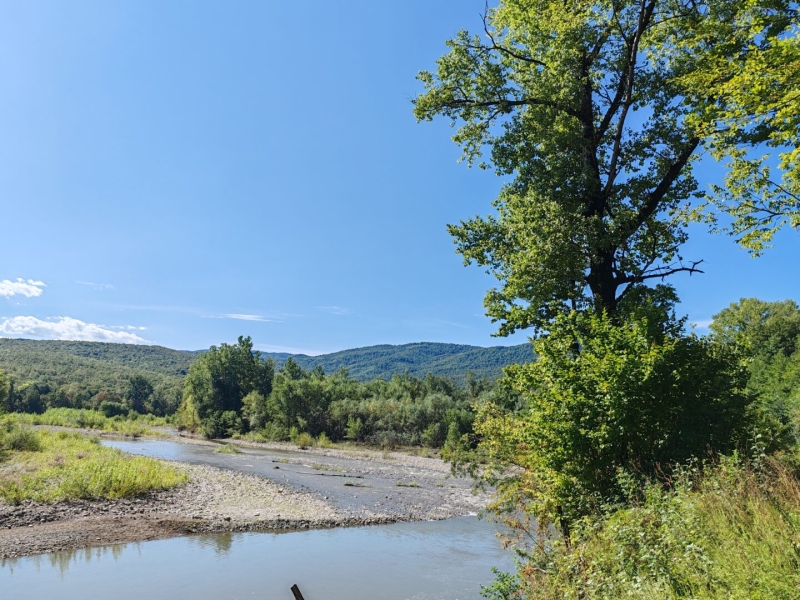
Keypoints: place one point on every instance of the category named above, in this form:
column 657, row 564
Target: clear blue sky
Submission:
column 187, row 172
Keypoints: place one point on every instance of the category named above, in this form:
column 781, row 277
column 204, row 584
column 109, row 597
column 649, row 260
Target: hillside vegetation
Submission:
column 444, row 360
column 55, row 374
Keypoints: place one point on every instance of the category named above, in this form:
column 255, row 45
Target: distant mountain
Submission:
column 450, row 360
column 88, row 367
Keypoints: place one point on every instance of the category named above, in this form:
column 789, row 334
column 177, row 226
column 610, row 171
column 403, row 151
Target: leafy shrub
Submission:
column 605, row 396
column 20, row 439
column 304, row 440
column 323, row 441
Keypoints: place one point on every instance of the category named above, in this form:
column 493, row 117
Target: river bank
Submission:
column 298, row 490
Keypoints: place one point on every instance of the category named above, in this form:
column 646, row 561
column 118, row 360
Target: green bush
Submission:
column 304, row 440
column 20, row 439
column 605, row 396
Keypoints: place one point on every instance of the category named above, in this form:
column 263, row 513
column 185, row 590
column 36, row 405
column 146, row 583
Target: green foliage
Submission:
column 454, row 361
column 767, row 335
column 219, row 381
column 602, row 397
column 139, row 391
column 66, row 466
column 71, row 374
column 354, row 430
column 746, row 102
column 19, row 439
column 134, row 425
column 5, row 389
column 730, row 532
column 113, row 409
column 596, row 113
column 254, row 410
column 303, row 440
column 596, row 201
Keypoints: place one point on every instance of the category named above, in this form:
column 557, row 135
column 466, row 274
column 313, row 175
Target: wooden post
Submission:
column 296, row 592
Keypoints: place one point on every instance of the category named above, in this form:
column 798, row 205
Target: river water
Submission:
column 424, row 560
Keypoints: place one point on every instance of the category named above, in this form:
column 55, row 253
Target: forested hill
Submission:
column 93, row 366
column 450, row 360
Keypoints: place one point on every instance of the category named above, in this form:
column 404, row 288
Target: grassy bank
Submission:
column 134, row 425
column 46, row 467
column 733, row 532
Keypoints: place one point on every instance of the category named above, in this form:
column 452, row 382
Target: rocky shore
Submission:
column 219, row 500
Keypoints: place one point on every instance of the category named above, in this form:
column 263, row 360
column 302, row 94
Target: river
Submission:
column 442, row 560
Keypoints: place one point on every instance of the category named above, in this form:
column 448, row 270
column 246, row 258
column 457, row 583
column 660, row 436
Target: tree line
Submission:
column 232, row 390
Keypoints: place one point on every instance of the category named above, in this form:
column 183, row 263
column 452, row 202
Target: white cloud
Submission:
column 335, row 310
column 96, row 286
column 21, row 287
column 242, row 317
column 66, row 328
column 702, row 323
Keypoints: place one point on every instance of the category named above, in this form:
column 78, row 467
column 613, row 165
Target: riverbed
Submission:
column 235, row 506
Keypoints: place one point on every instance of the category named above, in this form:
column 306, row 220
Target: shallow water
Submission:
column 441, row 560
column 351, row 484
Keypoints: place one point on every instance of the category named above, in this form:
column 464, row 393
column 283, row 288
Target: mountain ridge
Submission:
column 106, row 365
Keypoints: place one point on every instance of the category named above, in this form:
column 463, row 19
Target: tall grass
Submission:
column 133, row 425
column 64, row 466
column 730, row 533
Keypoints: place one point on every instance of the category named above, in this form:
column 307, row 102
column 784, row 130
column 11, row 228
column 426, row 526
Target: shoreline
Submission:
column 215, row 500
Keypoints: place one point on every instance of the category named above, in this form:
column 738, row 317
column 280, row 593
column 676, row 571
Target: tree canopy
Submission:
column 597, row 112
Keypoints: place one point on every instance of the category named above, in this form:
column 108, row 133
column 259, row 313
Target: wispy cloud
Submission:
column 242, row 317
column 67, row 328
column 96, row 286
column 21, row 287
column 702, row 323
column 335, row 310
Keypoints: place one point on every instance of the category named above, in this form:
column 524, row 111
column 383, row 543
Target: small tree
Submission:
column 139, row 391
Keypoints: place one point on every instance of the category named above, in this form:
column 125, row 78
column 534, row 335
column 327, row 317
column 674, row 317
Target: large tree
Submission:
column 596, row 112
column 223, row 376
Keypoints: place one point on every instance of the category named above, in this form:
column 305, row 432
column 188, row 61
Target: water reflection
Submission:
column 444, row 560
column 219, row 542
column 61, row 561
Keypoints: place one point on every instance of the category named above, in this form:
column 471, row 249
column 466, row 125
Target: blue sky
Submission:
column 182, row 173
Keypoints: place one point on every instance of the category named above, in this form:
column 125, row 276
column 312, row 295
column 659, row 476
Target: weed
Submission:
column 227, row 449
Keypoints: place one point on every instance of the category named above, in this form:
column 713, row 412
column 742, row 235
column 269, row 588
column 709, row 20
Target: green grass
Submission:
column 65, row 466
column 133, row 426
